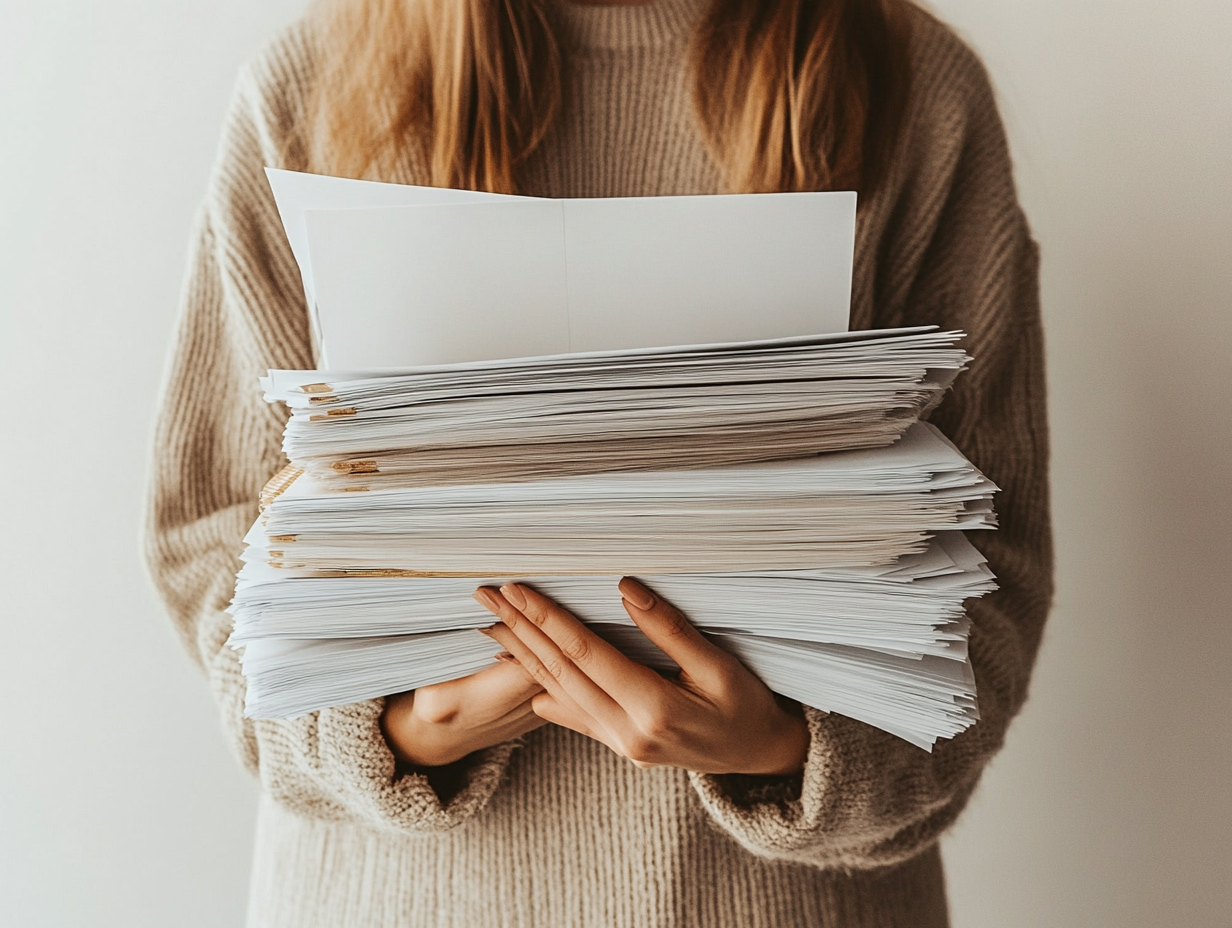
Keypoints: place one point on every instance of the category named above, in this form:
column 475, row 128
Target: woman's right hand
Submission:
column 439, row 724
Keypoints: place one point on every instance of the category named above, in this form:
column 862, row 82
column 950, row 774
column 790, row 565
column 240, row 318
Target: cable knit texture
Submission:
column 557, row 831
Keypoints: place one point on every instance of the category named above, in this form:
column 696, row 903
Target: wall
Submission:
column 1112, row 804
column 119, row 804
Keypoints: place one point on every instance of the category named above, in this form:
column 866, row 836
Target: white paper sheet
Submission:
column 649, row 271
column 295, row 192
column 449, row 282
column 395, row 284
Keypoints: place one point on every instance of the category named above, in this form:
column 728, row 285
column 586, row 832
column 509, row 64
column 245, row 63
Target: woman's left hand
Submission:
column 713, row 717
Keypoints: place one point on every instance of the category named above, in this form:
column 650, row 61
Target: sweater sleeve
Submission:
column 216, row 444
column 955, row 251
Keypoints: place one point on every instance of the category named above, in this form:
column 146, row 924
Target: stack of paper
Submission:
column 848, row 509
column 817, row 572
column 854, row 640
column 568, row 391
column 624, row 410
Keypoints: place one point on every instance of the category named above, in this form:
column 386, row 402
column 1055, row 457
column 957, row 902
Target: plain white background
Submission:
column 119, row 805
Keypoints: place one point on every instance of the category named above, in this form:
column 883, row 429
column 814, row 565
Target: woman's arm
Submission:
column 810, row 787
column 959, row 255
column 217, row 443
column 955, row 252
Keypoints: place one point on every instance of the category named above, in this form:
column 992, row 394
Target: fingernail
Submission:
column 506, row 657
column 485, row 631
column 635, row 593
column 512, row 593
column 487, row 599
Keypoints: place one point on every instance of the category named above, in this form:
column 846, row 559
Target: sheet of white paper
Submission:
column 280, row 381
column 441, row 283
column 650, row 271
column 641, row 271
column 295, row 193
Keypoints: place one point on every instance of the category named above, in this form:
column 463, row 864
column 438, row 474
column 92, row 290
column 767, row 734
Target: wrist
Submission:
column 393, row 722
column 795, row 745
column 787, row 749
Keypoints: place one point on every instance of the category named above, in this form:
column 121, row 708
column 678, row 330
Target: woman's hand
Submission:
column 436, row 725
column 714, row 717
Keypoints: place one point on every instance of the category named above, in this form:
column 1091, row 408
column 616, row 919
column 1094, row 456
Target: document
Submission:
column 886, row 645
column 848, row 509
column 295, row 193
column 568, row 391
column 604, row 412
column 431, row 276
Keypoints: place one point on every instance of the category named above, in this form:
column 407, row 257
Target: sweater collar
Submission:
column 618, row 26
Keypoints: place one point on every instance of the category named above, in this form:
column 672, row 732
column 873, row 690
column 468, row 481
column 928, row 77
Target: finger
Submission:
column 522, row 725
column 482, row 697
column 526, row 658
column 561, row 707
column 427, row 742
column 626, row 681
column 546, row 707
column 552, row 711
column 544, row 661
column 504, row 683
column 674, row 634
column 534, row 668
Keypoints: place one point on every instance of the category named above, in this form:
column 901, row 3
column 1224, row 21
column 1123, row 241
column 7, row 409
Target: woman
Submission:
column 509, row 797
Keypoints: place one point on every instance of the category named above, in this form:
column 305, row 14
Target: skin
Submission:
column 712, row 717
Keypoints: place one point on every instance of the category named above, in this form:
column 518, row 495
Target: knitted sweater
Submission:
column 555, row 830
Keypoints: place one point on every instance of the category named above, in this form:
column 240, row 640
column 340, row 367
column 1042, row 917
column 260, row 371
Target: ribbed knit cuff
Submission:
column 340, row 756
column 777, row 817
column 867, row 800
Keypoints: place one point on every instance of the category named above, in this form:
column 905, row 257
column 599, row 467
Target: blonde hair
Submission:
column 789, row 94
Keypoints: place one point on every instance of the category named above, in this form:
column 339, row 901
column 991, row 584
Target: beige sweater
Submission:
column 556, row 830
